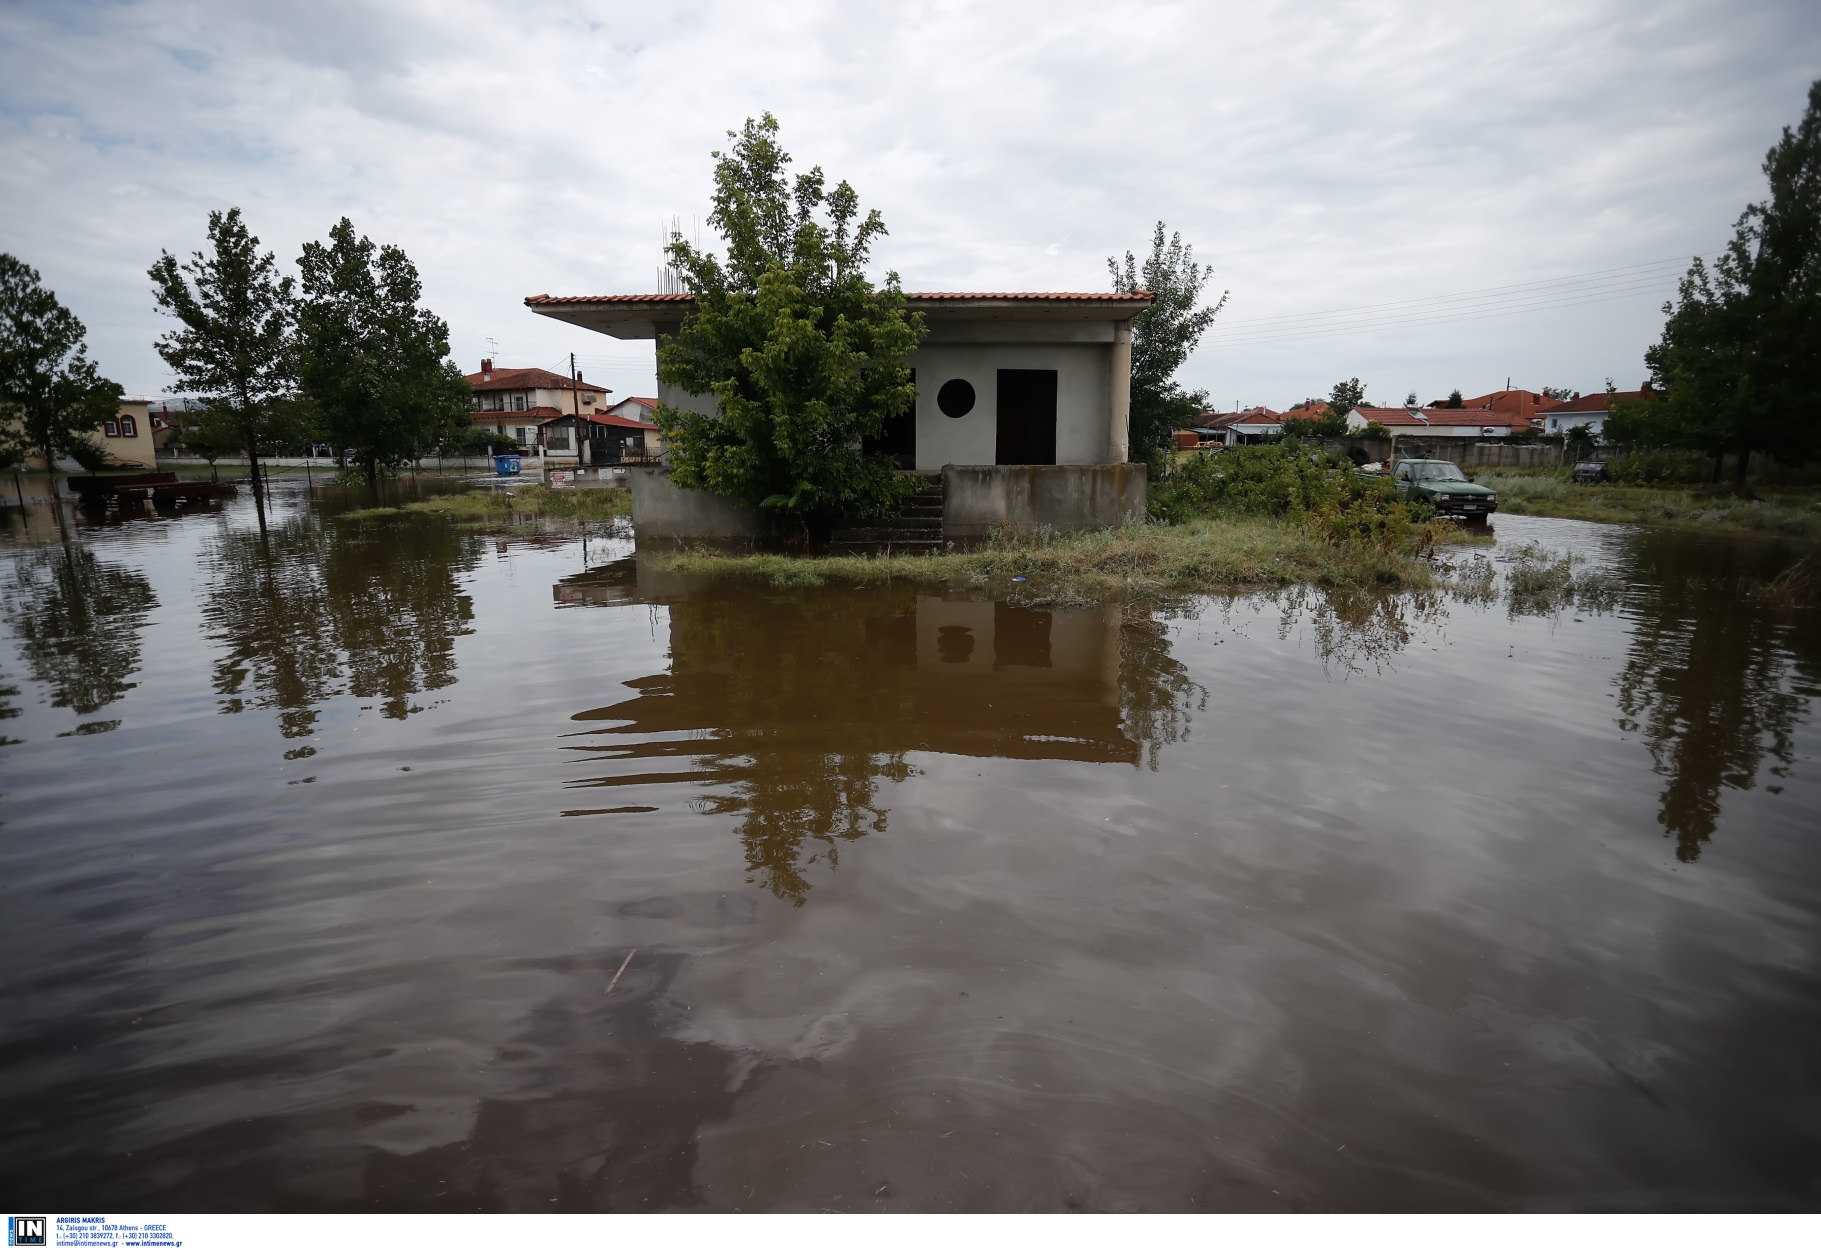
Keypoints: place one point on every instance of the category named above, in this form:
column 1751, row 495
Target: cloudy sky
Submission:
column 1421, row 195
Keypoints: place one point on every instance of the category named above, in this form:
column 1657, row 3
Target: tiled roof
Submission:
column 1391, row 416
column 1098, row 297
column 640, row 400
column 604, row 418
column 529, row 379
column 1444, row 417
column 1519, row 403
column 1597, row 402
column 1250, row 416
column 537, row 300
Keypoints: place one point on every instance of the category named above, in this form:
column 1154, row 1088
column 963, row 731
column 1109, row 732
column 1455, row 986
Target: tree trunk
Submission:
column 1738, row 478
column 50, row 468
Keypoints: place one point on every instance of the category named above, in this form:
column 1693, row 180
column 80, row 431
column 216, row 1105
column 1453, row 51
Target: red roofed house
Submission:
column 1525, row 404
column 1475, row 423
column 599, row 438
column 1249, row 425
column 515, row 402
column 1589, row 411
column 638, row 407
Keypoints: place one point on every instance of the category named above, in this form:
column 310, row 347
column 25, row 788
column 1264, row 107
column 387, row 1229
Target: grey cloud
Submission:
column 1320, row 156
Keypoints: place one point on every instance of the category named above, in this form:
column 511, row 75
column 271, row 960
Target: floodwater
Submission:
column 396, row 867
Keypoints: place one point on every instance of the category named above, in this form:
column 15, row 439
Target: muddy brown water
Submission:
column 393, row 866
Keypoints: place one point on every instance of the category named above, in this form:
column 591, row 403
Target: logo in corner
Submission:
column 25, row 1230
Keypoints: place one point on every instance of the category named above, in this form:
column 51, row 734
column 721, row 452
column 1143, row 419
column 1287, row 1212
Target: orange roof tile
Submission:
column 530, row 379
column 1146, row 297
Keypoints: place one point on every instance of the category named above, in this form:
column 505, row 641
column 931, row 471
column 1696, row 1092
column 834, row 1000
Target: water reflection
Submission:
column 309, row 609
column 77, row 620
column 1710, row 679
column 791, row 709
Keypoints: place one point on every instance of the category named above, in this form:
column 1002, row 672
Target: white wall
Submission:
column 1083, row 399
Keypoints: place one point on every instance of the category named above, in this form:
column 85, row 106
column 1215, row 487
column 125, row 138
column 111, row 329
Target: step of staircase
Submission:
column 915, row 527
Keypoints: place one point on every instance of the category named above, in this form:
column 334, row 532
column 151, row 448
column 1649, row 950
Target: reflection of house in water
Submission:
column 913, row 671
column 789, row 708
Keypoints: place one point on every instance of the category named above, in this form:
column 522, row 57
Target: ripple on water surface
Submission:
column 386, row 864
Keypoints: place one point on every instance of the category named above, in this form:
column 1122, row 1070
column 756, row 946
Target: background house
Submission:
column 1525, row 404
column 514, row 403
column 1589, row 411
column 1476, row 423
column 126, row 438
column 634, row 407
column 598, row 438
column 1248, row 425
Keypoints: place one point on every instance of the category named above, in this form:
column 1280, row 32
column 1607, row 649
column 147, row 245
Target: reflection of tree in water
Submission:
column 794, row 707
column 77, row 619
column 397, row 607
column 1707, row 683
column 266, row 608
column 310, row 609
column 1353, row 627
column 8, row 709
column 1156, row 693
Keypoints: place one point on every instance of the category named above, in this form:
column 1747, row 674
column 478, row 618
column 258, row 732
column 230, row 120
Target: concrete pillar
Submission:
column 1119, row 414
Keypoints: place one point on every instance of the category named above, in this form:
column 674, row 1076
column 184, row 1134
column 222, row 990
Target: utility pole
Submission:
column 575, row 403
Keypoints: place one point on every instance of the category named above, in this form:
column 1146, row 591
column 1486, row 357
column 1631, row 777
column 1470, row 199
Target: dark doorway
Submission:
column 898, row 437
column 1021, row 637
column 1027, row 417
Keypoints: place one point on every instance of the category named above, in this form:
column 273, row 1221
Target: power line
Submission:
column 1510, row 305
column 1433, row 318
column 1593, row 277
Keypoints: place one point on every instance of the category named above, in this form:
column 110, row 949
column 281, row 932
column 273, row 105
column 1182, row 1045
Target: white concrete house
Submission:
column 1003, row 378
column 1022, row 405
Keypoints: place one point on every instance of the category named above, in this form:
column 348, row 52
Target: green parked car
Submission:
column 1444, row 487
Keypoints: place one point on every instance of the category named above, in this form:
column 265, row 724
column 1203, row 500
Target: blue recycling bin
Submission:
column 506, row 466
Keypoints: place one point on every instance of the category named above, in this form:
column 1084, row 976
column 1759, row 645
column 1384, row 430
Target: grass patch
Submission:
column 1792, row 514
column 1199, row 555
column 511, row 507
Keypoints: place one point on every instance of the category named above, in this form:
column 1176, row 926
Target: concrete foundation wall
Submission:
column 663, row 511
column 981, row 498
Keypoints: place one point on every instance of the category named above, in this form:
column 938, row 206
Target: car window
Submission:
column 1440, row 471
column 1403, row 472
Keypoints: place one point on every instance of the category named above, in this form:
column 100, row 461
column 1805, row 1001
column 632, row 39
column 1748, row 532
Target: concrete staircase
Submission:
column 915, row 528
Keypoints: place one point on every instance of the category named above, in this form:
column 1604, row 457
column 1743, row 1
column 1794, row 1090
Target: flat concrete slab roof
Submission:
column 640, row 316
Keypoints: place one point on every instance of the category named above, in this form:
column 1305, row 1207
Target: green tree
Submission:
column 374, row 364
column 1738, row 366
column 805, row 358
column 1325, row 423
column 1163, row 336
column 233, row 348
column 51, row 394
column 1346, row 396
column 1454, row 399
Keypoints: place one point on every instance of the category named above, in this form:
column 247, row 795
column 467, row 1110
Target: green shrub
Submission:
column 1660, row 468
column 1288, row 480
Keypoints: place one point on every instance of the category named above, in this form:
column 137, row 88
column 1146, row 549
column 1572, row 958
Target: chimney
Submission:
column 486, row 368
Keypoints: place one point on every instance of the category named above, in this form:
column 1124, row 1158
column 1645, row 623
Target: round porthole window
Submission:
column 956, row 398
